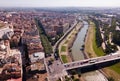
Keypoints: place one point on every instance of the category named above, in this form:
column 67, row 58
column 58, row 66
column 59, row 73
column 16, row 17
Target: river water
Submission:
column 79, row 42
column 78, row 55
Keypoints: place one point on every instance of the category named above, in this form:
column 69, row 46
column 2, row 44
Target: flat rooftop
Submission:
column 2, row 24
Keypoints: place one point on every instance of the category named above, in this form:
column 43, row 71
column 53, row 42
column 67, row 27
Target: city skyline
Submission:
column 60, row 3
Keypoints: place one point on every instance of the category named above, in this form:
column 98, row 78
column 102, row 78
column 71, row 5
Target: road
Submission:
column 64, row 36
column 56, row 71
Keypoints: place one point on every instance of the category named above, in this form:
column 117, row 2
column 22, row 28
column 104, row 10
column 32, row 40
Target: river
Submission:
column 78, row 55
column 79, row 42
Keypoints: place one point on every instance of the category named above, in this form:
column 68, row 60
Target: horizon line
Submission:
column 59, row 6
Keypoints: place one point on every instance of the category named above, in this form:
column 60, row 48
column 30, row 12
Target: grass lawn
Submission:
column 116, row 68
column 64, row 58
column 99, row 51
column 63, row 48
column 90, row 44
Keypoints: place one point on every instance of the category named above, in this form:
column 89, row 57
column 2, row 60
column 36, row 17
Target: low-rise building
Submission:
column 37, row 61
column 6, row 32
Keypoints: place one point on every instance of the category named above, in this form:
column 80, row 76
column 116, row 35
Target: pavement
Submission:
column 94, row 76
column 56, row 70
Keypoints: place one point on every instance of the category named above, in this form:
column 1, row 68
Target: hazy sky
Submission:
column 59, row 3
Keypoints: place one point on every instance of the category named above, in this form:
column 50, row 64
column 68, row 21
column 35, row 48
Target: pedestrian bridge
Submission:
column 91, row 61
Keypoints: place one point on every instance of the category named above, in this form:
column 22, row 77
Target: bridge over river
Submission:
column 92, row 61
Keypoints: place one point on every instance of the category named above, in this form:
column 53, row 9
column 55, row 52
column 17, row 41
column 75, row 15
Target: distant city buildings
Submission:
column 56, row 23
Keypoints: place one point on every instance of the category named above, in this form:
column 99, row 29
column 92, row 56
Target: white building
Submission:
column 6, row 32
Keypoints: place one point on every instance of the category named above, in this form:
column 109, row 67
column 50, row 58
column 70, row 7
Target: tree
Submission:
column 98, row 36
column 79, row 75
column 110, row 79
column 116, row 36
column 72, row 77
column 77, row 79
column 73, row 72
